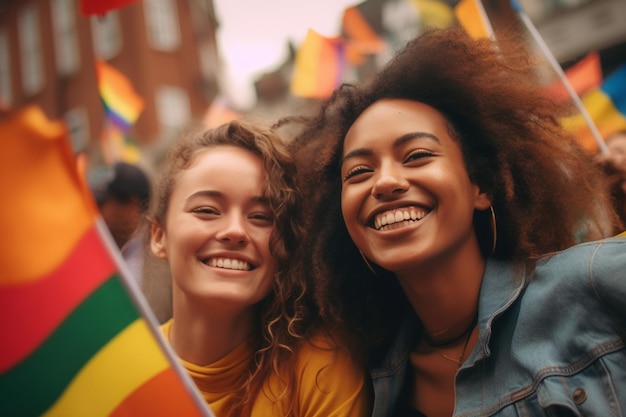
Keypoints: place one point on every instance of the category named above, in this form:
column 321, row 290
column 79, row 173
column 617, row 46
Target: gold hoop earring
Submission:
column 494, row 229
column 369, row 265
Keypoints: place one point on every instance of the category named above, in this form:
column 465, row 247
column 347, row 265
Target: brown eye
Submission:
column 359, row 169
column 418, row 154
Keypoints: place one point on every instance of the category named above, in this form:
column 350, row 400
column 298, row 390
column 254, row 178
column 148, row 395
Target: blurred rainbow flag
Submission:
column 121, row 103
column 100, row 7
column 78, row 337
column 607, row 107
column 319, row 66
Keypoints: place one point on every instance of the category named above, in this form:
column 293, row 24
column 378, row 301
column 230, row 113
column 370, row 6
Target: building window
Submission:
column 6, row 90
column 172, row 107
column 30, row 50
column 107, row 35
column 162, row 24
column 65, row 38
column 77, row 122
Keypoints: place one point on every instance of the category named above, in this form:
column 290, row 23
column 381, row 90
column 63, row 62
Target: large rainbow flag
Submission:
column 77, row 337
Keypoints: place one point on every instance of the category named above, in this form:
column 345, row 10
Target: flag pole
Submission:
column 557, row 67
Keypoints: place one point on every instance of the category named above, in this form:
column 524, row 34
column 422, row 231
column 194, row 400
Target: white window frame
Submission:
column 107, row 35
column 162, row 24
column 173, row 108
column 65, row 36
column 29, row 35
column 6, row 83
column 77, row 122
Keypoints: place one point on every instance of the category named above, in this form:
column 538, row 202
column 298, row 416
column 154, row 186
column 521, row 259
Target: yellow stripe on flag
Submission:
column 121, row 366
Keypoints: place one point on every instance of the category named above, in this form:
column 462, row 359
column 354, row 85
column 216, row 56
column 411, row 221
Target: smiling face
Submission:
column 407, row 199
column 217, row 230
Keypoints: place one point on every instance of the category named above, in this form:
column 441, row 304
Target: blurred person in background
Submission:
column 122, row 192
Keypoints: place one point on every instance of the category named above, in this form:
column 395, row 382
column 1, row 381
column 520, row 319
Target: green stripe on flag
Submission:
column 31, row 387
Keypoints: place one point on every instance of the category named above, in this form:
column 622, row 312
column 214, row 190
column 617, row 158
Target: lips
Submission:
column 400, row 217
column 229, row 263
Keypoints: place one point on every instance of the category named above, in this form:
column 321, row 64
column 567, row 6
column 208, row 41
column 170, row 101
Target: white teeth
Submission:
column 398, row 218
column 228, row 263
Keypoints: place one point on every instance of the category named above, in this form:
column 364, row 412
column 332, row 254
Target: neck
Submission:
column 203, row 337
column 444, row 296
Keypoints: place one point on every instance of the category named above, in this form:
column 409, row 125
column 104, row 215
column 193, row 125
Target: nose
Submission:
column 234, row 231
column 389, row 183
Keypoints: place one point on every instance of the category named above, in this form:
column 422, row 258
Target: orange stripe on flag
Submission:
column 34, row 309
column 49, row 206
column 166, row 386
column 472, row 16
column 362, row 39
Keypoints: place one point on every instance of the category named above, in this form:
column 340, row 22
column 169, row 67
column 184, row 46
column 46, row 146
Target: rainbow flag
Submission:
column 121, row 103
column 319, row 66
column 78, row 338
column 607, row 107
column 100, row 7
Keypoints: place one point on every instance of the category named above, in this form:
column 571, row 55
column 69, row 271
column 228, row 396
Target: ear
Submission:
column 157, row 240
column 482, row 201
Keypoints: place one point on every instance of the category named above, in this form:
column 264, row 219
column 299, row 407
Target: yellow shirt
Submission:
column 328, row 383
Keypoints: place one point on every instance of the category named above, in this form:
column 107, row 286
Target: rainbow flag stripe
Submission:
column 76, row 341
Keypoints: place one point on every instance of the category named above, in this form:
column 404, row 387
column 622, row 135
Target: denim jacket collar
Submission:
column 502, row 284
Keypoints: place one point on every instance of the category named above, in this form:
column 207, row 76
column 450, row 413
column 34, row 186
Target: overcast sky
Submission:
column 253, row 36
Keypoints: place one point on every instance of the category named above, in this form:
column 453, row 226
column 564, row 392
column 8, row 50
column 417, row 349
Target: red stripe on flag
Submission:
column 161, row 396
column 31, row 311
column 100, row 7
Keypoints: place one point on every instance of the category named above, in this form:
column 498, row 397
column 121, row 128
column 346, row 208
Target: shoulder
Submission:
column 329, row 381
column 591, row 273
column 600, row 258
column 320, row 358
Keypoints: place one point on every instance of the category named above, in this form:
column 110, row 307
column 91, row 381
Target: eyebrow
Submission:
column 221, row 195
column 396, row 143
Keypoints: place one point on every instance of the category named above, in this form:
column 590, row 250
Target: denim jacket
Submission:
column 551, row 340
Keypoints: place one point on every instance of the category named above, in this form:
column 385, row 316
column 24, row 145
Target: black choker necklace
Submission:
column 437, row 344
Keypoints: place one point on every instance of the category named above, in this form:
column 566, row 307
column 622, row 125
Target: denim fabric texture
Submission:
column 551, row 340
